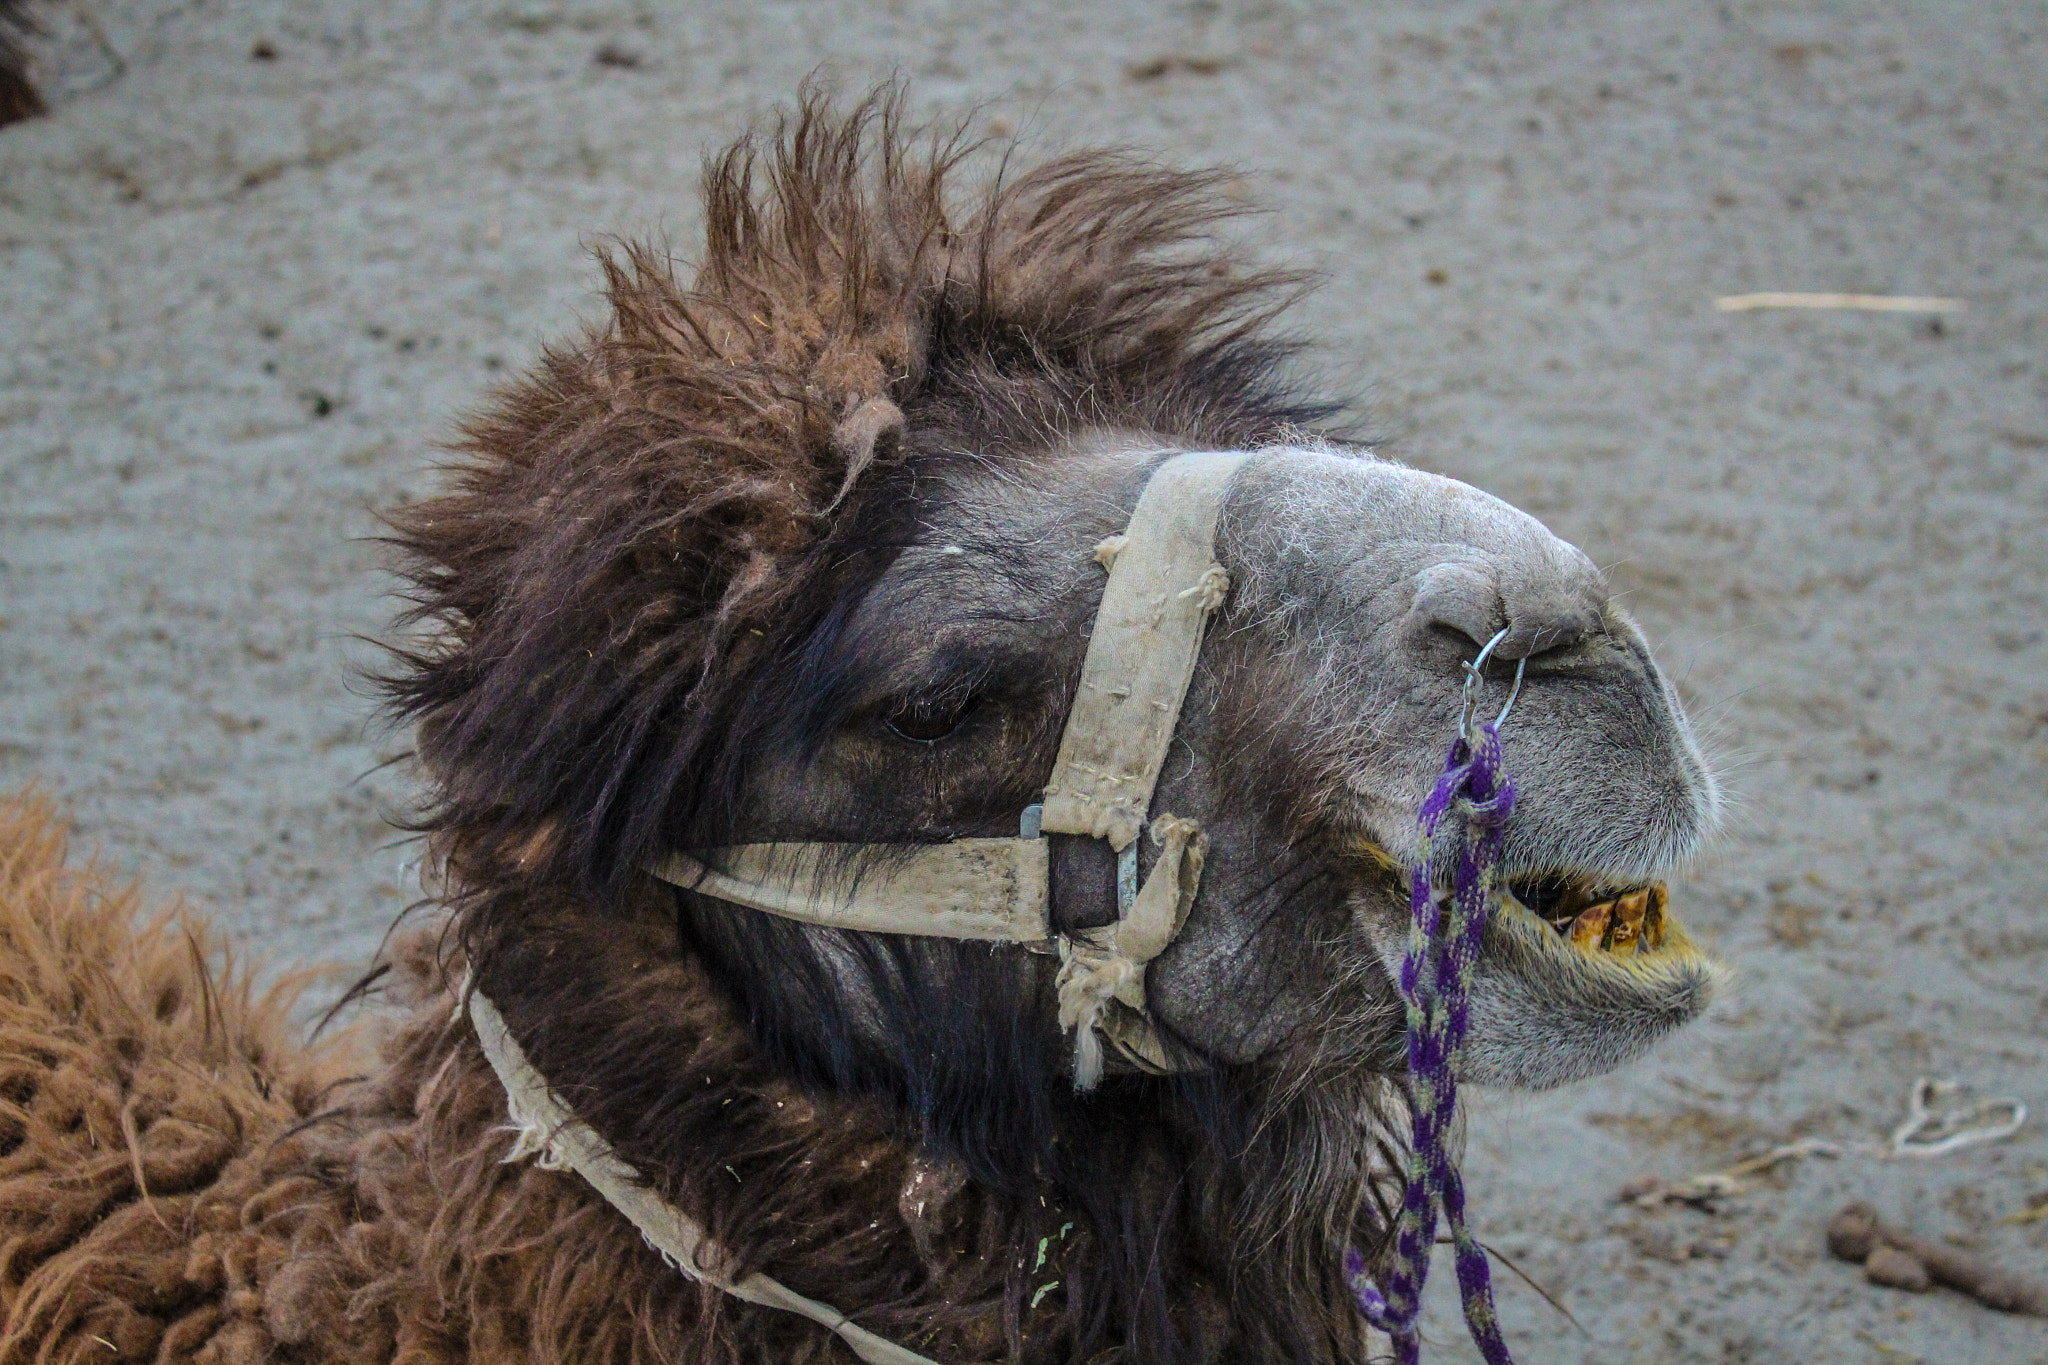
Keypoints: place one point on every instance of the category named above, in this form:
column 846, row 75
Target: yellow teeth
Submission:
column 1621, row 925
column 1628, row 920
column 1591, row 926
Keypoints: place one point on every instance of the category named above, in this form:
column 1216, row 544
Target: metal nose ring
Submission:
column 1475, row 677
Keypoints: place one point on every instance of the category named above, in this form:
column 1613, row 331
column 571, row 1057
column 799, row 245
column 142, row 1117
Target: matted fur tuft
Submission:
column 139, row 1073
column 636, row 527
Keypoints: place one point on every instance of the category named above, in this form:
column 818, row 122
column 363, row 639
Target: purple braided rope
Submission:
column 1436, row 984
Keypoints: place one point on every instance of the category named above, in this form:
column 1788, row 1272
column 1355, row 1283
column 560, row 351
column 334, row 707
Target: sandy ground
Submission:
column 242, row 295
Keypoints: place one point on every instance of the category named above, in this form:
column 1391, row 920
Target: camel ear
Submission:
column 872, row 428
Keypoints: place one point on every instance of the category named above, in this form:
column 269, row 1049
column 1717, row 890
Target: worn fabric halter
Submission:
column 1164, row 585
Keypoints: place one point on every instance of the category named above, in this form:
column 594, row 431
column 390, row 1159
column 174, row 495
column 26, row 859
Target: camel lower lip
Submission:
column 1579, row 973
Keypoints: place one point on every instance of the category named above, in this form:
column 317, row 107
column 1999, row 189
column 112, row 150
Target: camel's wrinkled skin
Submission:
column 806, row 551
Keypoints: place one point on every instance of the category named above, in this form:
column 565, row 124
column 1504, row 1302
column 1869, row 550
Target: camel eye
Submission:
column 927, row 720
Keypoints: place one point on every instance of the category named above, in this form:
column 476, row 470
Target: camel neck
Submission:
column 549, row 1132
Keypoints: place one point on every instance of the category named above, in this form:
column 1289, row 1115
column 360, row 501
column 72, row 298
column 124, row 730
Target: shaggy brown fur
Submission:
column 180, row 1184
column 142, row 1079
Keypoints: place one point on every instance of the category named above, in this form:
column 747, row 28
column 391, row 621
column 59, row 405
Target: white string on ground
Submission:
column 1868, row 303
column 1925, row 1132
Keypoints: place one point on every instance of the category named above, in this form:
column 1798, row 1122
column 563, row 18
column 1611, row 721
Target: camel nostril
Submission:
column 1457, row 599
column 1533, row 640
column 1551, row 627
column 1464, row 602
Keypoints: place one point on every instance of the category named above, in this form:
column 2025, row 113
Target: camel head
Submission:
column 806, row 550
column 1325, row 697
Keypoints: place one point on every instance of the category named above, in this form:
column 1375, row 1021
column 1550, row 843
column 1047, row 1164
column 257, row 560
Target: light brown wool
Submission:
column 183, row 1184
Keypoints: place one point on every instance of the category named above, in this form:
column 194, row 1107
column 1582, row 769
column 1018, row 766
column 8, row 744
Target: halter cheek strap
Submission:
column 1164, row 584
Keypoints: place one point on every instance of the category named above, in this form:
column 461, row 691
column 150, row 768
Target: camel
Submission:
column 798, row 565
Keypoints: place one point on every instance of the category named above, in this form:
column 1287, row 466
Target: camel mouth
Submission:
column 1590, row 917
column 1580, row 972
column 1604, row 933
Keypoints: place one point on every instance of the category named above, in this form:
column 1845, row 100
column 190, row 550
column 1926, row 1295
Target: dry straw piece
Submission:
column 1869, row 303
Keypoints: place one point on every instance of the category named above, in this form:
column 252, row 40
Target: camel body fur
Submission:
column 182, row 1183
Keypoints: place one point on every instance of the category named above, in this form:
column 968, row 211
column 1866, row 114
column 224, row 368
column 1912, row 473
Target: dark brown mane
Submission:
column 637, row 525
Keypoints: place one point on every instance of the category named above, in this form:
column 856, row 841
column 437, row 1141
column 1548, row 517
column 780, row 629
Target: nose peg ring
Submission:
column 1475, row 677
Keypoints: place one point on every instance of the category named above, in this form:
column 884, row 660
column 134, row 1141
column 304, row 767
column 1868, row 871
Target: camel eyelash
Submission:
column 927, row 720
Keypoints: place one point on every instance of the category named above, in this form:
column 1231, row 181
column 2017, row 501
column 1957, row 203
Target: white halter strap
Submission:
column 1164, row 584
column 549, row 1131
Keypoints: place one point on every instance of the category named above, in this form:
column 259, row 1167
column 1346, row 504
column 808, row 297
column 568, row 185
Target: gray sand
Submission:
column 241, row 299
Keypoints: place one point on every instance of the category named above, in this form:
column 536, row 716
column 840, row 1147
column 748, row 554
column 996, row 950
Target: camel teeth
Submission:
column 1628, row 920
column 1626, row 924
column 1591, row 925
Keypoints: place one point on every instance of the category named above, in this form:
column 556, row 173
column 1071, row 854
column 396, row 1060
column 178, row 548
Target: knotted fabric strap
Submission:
column 1164, row 584
column 1101, row 966
column 550, row 1132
